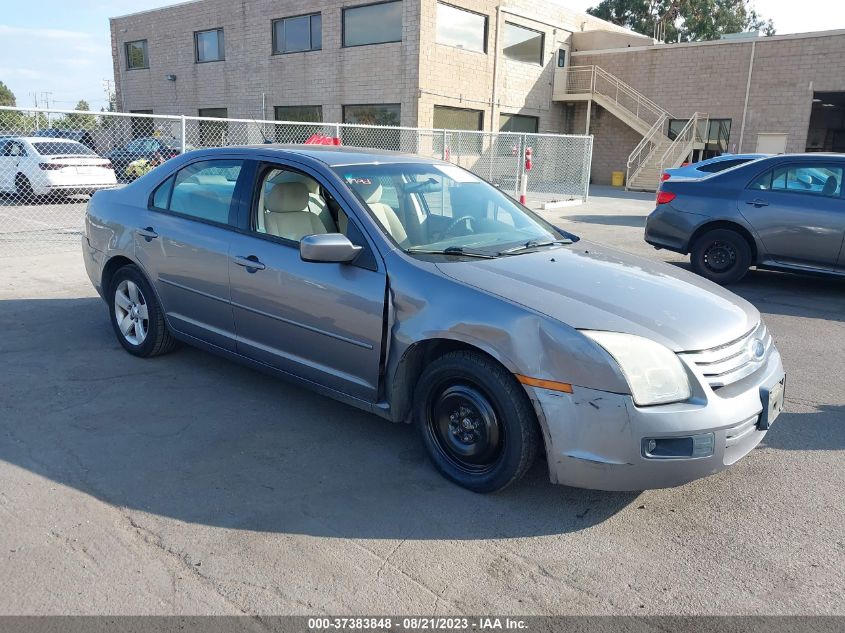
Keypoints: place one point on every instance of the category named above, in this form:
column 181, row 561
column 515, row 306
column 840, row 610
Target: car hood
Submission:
column 588, row 286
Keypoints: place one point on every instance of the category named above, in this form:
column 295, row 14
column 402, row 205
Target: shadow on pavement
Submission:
column 203, row 440
column 635, row 221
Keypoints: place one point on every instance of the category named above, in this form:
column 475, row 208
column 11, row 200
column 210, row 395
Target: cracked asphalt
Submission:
column 189, row 485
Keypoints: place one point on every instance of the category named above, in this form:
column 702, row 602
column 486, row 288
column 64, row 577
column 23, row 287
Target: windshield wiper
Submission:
column 461, row 251
column 531, row 244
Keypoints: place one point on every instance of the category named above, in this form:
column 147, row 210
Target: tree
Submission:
column 7, row 97
column 683, row 20
column 78, row 121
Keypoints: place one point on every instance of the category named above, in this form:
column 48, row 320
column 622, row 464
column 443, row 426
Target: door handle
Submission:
column 148, row 233
column 758, row 203
column 251, row 263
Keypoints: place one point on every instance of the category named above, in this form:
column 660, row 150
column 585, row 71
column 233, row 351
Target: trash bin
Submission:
column 617, row 178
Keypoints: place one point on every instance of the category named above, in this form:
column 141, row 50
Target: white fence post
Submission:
column 184, row 134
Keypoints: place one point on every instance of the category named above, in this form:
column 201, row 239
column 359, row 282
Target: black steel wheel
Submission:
column 721, row 255
column 475, row 421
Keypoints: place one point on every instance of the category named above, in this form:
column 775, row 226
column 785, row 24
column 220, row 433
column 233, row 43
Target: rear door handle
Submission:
column 148, row 233
column 251, row 263
column 758, row 203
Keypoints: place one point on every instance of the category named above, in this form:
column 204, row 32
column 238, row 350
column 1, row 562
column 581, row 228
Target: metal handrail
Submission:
column 684, row 140
column 639, row 157
column 616, row 88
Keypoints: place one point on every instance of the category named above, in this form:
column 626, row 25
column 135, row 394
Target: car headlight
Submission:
column 654, row 373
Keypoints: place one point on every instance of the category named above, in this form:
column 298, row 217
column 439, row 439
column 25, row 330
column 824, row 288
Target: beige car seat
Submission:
column 287, row 212
column 384, row 213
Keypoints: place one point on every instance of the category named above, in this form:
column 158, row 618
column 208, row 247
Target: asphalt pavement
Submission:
column 187, row 484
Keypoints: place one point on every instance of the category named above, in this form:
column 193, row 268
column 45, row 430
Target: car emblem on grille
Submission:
column 758, row 350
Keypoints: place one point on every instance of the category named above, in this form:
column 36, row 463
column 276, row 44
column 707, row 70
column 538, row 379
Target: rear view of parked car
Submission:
column 784, row 213
column 38, row 166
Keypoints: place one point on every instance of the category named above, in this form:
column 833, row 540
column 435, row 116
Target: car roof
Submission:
column 46, row 139
column 332, row 155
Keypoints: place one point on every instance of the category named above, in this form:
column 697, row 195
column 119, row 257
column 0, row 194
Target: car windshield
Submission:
column 441, row 208
column 62, row 148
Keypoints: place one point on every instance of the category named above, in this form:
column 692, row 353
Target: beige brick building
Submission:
column 481, row 65
column 417, row 72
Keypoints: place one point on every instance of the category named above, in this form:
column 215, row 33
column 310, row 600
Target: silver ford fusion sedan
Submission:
column 410, row 288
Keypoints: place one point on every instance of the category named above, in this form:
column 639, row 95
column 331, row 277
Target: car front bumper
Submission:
column 594, row 439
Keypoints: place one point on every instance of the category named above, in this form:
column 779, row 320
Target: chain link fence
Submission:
column 51, row 161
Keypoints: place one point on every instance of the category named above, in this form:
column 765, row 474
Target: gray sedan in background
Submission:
column 412, row 289
column 784, row 213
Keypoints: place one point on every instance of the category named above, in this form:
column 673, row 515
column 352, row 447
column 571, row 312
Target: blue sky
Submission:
column 62, row 46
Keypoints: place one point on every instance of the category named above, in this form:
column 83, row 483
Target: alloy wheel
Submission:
column 131, row 312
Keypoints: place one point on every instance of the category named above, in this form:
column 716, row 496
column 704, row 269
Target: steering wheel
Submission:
column 457, row 222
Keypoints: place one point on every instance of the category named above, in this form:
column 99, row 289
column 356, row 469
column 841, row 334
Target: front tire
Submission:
column 721, row 255
column 136, row 317
column 475, row 421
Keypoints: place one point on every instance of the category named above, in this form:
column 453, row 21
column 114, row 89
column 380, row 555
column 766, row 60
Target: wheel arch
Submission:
column 731, row 226
column 413, row 362
column 112, row 266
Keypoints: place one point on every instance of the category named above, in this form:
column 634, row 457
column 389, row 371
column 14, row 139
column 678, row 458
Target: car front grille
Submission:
column 726, row 364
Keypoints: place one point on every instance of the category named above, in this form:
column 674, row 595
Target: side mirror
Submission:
column 328, row 248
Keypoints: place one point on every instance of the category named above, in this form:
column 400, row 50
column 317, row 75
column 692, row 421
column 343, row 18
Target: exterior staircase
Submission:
column 657, row 151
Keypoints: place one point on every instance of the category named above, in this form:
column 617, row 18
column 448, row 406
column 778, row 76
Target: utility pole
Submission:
column 34, row 96
column 47, row 96
column 107, row 86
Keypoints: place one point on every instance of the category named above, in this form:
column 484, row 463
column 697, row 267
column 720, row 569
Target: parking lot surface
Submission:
column 187, row 484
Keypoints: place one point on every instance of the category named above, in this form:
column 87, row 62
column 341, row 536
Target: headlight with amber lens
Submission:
column 654, row 373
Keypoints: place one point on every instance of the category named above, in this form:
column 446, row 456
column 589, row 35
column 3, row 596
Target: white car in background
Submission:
column 36, row 166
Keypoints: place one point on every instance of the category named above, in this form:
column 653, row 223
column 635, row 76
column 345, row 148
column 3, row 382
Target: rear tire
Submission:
column 475, row 421
column 721, row 255
column 23, row 188
column 136, row 316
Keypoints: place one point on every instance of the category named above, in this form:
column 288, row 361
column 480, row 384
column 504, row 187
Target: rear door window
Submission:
column 203, row 191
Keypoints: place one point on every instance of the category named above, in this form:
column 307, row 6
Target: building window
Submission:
column 297, row 133
column 136, row 55
column 378, row 138
column 461, row 28
column 373, row 24
column 307, row 114
column 380, row 114
column 209, row 46
column 298, row 34
column 561, row 58
column 213, row 133
column 523, row 45
column 447, row 118
column 141, row 126
column 520, row 123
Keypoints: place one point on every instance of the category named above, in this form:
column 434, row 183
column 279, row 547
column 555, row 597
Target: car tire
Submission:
column 721, row 255
column 475, row 421
column 23, row 188
column 136, row 316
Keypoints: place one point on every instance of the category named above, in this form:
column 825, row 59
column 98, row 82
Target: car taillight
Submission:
column 666, row 176
column 50, row 166
column 664, row 197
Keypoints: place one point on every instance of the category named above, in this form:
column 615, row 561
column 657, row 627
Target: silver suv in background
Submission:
column 412, row 289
